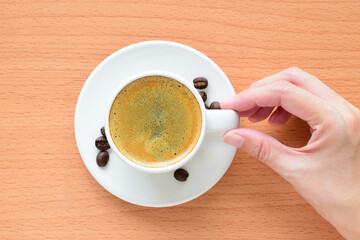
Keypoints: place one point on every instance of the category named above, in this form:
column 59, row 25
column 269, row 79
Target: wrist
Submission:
column 349, row 234
column 348, row 223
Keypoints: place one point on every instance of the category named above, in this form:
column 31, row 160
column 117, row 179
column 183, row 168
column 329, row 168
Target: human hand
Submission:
column 326, row 172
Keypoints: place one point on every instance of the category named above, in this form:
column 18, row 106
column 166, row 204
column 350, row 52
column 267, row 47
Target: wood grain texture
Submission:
column 48, row 49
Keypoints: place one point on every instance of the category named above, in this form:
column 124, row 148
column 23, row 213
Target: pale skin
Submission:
column 326, row 172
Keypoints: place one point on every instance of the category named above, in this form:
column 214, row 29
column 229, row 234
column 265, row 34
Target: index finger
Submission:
column 303, row 80
column 293, row 99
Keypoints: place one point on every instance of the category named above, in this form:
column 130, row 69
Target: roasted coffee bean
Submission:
column 102, row 158
column 206, row 106
column 102, row 130
column 101, row 143
column 200, row 83
column 215, row 105
column 203, row 96
column 181, row 175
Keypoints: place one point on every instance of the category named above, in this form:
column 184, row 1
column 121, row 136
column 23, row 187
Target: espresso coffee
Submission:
column 155, row 121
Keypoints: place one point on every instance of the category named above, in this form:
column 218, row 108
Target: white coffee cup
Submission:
column 212, row 121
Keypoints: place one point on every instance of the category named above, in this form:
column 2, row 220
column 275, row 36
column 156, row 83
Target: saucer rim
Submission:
column 125, row 49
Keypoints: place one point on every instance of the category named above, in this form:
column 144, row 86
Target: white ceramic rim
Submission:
column 181, row 162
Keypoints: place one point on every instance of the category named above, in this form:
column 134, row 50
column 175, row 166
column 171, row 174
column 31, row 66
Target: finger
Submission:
column 293, row 99
column 248, row 112
column 261, row 146
column 261, row 114
column 279, row 117
column 303, row 80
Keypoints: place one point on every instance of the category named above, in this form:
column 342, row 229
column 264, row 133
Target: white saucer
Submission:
column 154, row 190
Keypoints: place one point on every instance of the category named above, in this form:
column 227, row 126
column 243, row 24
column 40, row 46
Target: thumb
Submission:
column 261, row 146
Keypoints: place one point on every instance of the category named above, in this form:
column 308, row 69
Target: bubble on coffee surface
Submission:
column 157, row 122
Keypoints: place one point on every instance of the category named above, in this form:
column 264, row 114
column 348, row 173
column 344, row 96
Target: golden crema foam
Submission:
column 155, row 121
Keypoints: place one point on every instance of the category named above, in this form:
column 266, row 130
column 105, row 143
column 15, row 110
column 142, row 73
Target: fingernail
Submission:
column 234, row 139
column 225, row 103
column 222, row 106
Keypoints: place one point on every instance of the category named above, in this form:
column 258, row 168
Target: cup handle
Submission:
column 221, row 120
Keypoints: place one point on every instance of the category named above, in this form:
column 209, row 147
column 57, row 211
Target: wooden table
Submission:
column 47, row 51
